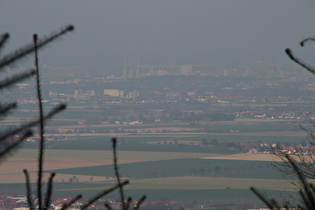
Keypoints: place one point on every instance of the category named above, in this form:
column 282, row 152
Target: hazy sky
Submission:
column 226, row 32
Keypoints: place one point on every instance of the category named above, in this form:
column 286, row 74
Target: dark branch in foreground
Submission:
column 3, row 39
column 298, row 61
column 67, row 205
column 16, row 78
column 105, row 192
column 28, row 49
column 121, row 191
column 54, row 111
column 41, row 127
column 140, row 202
column 28, row 190
column 7, row 108
column 14, row 145
column 49, row 191
column 302, row 43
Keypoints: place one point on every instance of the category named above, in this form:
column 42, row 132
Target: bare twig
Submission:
column 108, row 207
column 310, row 202
column 41, row 127
column 300, row 62
column 127, row 203
column 7, row 108
column 54, row 111
column 67, row 205
column 28, row 49
column 262, row 198
column 105, row 192
column 28, row 190
column 12, row 146
column 302, row 43
column 16, row 78
column 140, row 202
column 121, row 192
column 49, row 191
column 3, row 39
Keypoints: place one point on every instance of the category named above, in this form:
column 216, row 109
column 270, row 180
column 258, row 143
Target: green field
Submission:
column 183, row 167
column 197, row 196
column 170, row 171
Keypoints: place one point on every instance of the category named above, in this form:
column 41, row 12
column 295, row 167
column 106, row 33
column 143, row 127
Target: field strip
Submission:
column 203, row 183
column 245, row 156
column 263, row 133
column 105, row 155
column 190, row 183
column 12, row 168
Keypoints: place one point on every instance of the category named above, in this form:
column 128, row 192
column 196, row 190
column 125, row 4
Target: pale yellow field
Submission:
column 245, row 156
column 11, row 170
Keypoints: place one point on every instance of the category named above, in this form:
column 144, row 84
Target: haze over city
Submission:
column 225, row 33
column 201, row 96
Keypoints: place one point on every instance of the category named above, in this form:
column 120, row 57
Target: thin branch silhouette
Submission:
column 67, row 205
column 299, row 61
column 16, row 78
column 108, row 207
column 28, row 190
column 49, row 191
column 53, row 112
column 142, row 199
column 41, row 127
column 28, row 49
column 262, row 198
column 3, row 39
column 14, row 145
column 302, row 43
column 7, row 108
column 121, row 192
column 105, row 192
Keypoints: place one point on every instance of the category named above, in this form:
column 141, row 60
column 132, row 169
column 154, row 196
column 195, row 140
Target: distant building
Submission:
column 114, row 92
column 90, row 93
column 77, row 93
column 186, row 70
column 133, row 94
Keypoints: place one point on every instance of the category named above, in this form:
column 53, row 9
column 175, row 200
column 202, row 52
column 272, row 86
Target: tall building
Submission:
column 114, row 92
column 186, row 70
column 77, row 93
column 133, row 94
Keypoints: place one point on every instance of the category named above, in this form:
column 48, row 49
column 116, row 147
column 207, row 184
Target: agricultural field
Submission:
column 174, row 161
column 161, row 171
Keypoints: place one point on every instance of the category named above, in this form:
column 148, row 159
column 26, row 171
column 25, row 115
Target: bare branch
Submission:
column 105, row 192
column 302, row 43
column 14, row 145
column 298, row 61
column 28, row 190
column 28, row 49
column 127, row 203
column 16, row 78
column 3, row 39
column 108, row 207
column 121, row 192
column 49, row 191
column 41, row 127
column 262, row 198
column 54, row 111
column 67, row 205
column 7, row 108
column 140, row 202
